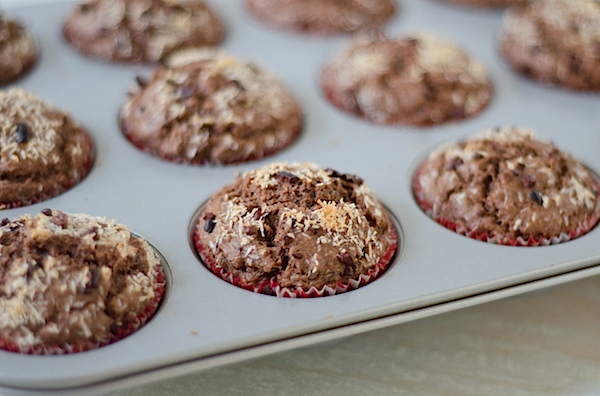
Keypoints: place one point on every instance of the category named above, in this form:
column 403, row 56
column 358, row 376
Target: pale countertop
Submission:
column 539, row 343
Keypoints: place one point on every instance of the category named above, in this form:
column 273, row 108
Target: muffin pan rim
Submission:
column 330, row 150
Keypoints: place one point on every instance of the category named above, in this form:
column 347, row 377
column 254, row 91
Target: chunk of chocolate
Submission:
column 287, row 177
column 23, row 133
column 536, row 197
column 346, row 259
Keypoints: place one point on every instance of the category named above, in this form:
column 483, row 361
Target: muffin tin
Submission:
column 204, row 321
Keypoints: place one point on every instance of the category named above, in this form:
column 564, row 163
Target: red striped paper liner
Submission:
column 271, row 287
column 582, row 229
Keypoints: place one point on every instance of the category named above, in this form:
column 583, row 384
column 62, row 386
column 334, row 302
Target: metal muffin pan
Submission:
column 204, row 321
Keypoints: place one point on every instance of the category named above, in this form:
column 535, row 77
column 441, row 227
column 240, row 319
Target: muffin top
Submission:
column 69, row 282
column 296, row 225
column 141, row 30
column 555, row 41
column 18, row 50
column 418, row 80
column 208, row 107
column 507, row 185
column 42, row 150
column 323, row 17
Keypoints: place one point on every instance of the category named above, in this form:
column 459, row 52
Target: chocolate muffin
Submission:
column 210, row 108
column 18, row 50
column 323, row 17
column 43, row 151
column 555, row 42
column 416, row 80
column 73, row 282
column 487, row 3
column 141, row 31
column 504, row 186
column 296, row 231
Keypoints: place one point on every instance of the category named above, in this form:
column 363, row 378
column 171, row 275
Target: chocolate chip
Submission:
column 346, row 259
column 288, row 177
column 47, row 212
column 258, row 214
column 114, row 328
column 333, row 173
column 454, row 163
column 61, row 219
column 297, row 255
column 210, row 224
column 536, row 197
column 287, row 239
column 23, row 133
column 352, row 179
column 4, row 222
column 527, row 180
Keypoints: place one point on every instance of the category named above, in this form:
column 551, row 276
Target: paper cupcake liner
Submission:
column 59, row 189
column 582, row 229
column 271, row 286
column 86, row 345
column 179, row 160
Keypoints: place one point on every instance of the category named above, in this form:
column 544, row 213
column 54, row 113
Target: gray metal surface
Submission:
column 205, row 321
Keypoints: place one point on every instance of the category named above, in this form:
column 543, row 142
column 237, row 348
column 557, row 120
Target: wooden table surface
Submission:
column 540, row 343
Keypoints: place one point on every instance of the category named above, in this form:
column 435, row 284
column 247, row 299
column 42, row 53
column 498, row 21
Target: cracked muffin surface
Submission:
column 296, row 226
column 555, row 42
column 141, row 31
column 323, row 17
column 73, row 282
column 506, row 185
column 43, row 151
column 210, row 108
column 18, row 50
column 415, row 80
